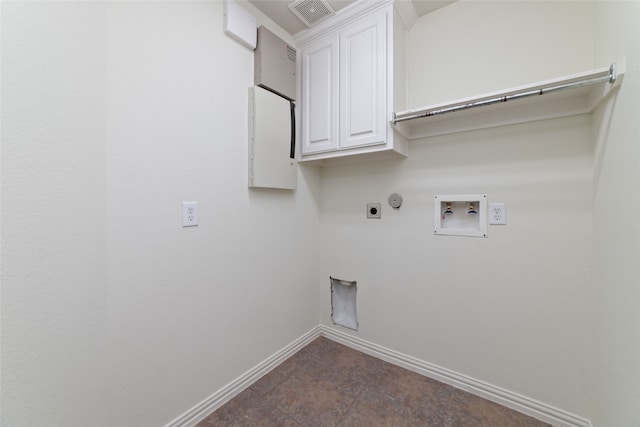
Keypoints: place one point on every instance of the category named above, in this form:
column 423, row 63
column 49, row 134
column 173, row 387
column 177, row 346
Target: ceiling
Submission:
column 278, row 10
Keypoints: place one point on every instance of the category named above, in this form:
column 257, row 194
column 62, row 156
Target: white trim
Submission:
column 200, row 411
column 355, row 11
column 542, row 411
column 407, row 13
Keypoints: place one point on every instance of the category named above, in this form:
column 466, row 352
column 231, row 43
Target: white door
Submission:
column 320, row 96
column 270, row 162
column 363, row 83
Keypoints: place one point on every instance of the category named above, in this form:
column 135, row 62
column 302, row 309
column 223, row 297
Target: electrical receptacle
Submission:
column 189, row 214
column 374, row 210
column 497, row 214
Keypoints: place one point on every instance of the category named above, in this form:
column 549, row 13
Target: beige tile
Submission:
column 401, row 382
column 278, row 375
column 311, row 355
column 248, row 410
column 467, row 409
column 328, row 384
column 314, row 399
column 377, row 409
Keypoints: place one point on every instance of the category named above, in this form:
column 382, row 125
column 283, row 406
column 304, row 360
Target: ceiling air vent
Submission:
column 311, row 11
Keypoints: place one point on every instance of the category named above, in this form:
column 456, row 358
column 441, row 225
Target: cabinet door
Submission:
column 320, row 96
column 363, row 83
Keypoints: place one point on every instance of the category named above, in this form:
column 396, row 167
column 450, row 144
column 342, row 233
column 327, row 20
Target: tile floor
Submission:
column 328, row 384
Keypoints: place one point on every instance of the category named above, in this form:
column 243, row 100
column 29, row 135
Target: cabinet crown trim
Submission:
column 343, row 17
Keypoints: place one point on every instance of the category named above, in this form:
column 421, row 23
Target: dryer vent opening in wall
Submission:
column 343, row 303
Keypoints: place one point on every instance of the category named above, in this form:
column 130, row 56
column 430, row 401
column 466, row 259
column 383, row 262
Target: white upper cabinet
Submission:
column 320, row 96
column 347, row 85
column 363, row 83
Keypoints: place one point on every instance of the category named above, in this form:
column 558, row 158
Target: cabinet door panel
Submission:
column 363, row 83
column 320, row 96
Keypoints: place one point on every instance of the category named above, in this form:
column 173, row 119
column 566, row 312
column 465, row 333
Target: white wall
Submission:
column 113, row 314
column 615, row 386
column 474, row 47
column 192, row 309
column 510, row 309
column 54, row 308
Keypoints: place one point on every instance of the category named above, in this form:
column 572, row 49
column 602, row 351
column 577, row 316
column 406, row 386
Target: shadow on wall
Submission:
column 602, row 119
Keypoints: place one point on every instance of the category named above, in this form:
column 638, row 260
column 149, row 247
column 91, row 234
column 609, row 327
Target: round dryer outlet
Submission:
column 395, row 201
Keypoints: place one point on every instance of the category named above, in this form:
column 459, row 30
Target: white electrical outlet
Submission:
column 189, row 214
column 497, row 214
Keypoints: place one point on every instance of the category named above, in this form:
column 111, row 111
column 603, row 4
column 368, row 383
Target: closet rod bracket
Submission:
column 613, row 74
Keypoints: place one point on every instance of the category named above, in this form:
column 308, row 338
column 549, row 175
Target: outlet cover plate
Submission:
column 189, row 214
column 497, row 214
column 374, row 210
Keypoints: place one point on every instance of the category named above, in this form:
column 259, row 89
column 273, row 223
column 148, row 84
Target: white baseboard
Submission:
column 541, row 411
column 199, row 412
column 547, row 413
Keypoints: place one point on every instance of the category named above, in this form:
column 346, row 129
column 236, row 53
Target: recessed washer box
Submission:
column 460, row 215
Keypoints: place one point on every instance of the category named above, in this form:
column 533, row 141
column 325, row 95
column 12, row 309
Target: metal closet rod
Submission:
column 610, row 78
